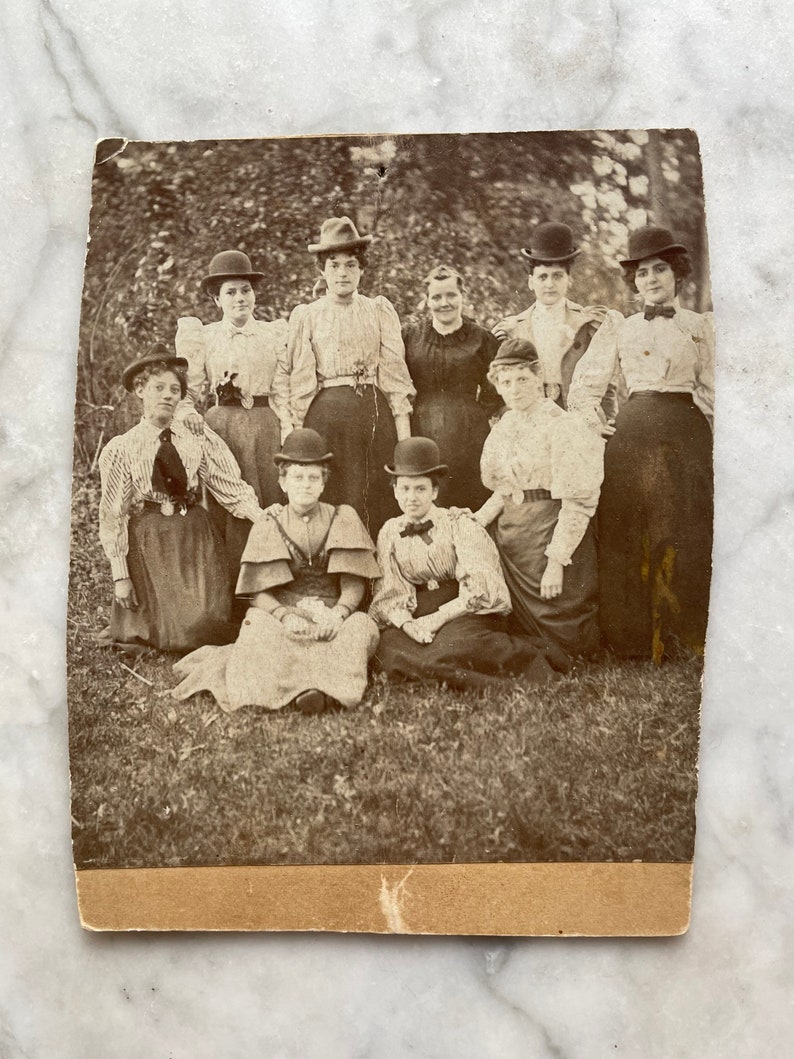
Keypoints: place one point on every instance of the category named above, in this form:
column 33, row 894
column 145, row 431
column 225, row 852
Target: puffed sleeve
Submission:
column 393, row 376
column 703, row 394
column 577, row 470
column 114, row 506
column 478, row 570
column 596, row 370
column 221, row 473
column 190, row 343
column 279, row 387
column 496, row 470
column 265, row 560
column 395, row 597
column 301, row 364
column 350, row 547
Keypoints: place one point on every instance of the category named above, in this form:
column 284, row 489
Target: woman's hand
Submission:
column 551, row 582
column 194, row 422
column 330, row 623
column 298, row 627
column 419, row 631
column 498, row 331
column 124, row 592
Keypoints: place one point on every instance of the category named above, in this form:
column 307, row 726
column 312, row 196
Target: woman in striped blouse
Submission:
column 167, row 560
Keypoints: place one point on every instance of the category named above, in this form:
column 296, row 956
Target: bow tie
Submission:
column 417, row 529
column 659, row 310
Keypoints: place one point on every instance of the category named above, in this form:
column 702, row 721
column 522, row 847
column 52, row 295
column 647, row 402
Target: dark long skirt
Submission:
column 178, row 569
column 459, row 426
column 655, row 527
column 361, row 434
column 254, row 437
column 473, row 651
column 523, row 532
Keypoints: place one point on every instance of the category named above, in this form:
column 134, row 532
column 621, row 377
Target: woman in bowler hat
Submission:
column 167, row 560
column 303, row 643
column 655, row 515
column 442, row 601
column 237, row 373
column 348, row 377
column 558, row 328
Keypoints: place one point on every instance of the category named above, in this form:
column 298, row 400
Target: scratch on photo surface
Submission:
column 391, row 899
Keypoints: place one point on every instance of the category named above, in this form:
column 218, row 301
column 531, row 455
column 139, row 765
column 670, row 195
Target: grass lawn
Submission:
column 599, row 766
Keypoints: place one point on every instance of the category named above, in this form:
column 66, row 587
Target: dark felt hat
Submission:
column 416, row 457
column 338, row 233
column 158, row 354
column 649, row 242
column 550, row 242
column 514, row 351
column 230, row 264
column 304, row 446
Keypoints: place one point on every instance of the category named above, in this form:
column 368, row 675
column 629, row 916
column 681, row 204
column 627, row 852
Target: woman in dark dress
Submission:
column 448, row 357
column 655, row 514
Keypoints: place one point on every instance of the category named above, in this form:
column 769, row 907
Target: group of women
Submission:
column 242, row 537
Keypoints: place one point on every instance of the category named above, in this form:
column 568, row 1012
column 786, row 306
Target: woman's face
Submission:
column 342, row 273
column 655, row 281
column 236, row 300
column 415, row 496
column 303, row 484
column 549, row 283
column 445, row 301
column 519, row 387
column 160, row 395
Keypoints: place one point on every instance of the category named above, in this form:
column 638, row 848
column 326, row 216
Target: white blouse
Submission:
column 460, row 550
column 125, row 468
column 550, row 449
column 663, row 355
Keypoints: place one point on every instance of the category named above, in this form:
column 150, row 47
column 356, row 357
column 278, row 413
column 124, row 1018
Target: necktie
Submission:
column 418, row 529
column 651, row 311
column 168, row 473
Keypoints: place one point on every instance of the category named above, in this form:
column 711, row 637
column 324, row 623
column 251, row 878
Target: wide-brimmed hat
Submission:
column 649, row 242
column 339, row 233
column 230, row 264
column 550, row 242
column 416, row 457
column 158, row 354
column 304, row 446
column 514, row 351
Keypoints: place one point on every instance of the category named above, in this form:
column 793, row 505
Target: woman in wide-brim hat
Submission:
column 303, row 641
column 448, row 355
column 348, row 376
column 442, row 601
column 544, row 468
column 560, row 329
column 167, row 559
column 656, row 509
column 237, row 374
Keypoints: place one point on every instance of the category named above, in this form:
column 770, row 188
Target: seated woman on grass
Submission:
column 303, row 642
column 167, row 560
column 442, row 600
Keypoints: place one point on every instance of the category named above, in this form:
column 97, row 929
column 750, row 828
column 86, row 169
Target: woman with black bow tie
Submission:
column 167, row 560
column 656, row 508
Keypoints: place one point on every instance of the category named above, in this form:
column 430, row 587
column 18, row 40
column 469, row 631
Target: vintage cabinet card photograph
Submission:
column 391, row 533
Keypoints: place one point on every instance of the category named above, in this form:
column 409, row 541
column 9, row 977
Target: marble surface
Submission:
column 71, row 73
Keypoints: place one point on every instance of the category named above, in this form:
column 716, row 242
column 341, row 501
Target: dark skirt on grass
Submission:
column 360, row 431
column 570, row 622
column 655, row 527
column 178, row 569
column 254, row 437
column 472, row 651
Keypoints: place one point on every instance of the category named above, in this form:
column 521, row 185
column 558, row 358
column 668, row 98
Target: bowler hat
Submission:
column 304, row 446
column 158, row 354
column 339, row 233
column 230, row 264
column 514, row 351
column 649, row 242
column 415, row 457
column 552, row 241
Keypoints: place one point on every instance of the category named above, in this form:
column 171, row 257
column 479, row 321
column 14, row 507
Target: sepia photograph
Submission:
column 392, row 501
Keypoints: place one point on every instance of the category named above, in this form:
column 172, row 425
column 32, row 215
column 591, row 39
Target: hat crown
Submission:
column 338, row 233
column 414, row 457
column 551, row 241
column 304, row 445
column 158, row 353
column 650, row 241
column 230, row 263
column 515, row 351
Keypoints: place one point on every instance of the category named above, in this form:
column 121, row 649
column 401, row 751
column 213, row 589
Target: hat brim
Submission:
column 281, row 458
column 406, row 472
column 627, row 262
column 542, row 259
column 131, row 372
column 253, row 277
column 350, row 244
